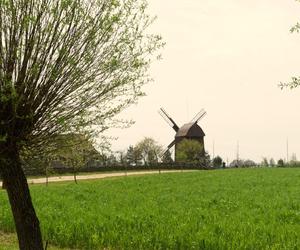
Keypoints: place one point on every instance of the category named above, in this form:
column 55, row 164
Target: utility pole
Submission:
column 213, row 149
column 287, row 150
column 238, row 151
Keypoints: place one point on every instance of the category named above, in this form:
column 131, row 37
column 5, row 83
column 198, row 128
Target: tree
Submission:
column 64, row 65
column 242, row 163
column 189, row 151
column 293, row 161
column 272, row 162
column 133, row 156
column 217, row 162
column 206, row 160
column 112, row 160
column 122, row 158
column 295, row 81
column 280, row 163
column 249, row 163
column 236, row 163
column 130, row 155
column 101, row 159
column 265, row 162
column 149, row 150
column 75, row 151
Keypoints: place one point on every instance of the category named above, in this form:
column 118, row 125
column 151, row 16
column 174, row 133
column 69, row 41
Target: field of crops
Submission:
column 222, row 209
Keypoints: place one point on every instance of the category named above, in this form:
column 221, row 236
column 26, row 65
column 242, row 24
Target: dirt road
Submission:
column 95, row 176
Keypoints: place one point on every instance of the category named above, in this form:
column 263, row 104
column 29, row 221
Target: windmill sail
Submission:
column 170, row 146
column 168, row 119
column 199, row 116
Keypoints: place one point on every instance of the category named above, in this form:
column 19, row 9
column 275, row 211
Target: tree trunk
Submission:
column 74, row 171
column 26, row 221
column 47, row 164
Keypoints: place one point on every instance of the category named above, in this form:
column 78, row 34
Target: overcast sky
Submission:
column 228, row 57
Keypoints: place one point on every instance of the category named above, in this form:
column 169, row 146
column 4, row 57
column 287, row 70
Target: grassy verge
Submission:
column 9, row 241
column 232, row 209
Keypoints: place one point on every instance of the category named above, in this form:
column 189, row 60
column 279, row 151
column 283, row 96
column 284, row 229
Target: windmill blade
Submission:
column 199, row 116
column 168, row 119
column 169, row 146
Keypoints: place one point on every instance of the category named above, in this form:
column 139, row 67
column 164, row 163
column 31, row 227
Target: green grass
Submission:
column 8, row 241
column 223, row 209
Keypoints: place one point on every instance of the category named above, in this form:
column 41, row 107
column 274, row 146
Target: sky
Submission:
column 228, row 57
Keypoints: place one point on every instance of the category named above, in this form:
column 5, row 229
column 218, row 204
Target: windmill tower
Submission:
column 190, row 131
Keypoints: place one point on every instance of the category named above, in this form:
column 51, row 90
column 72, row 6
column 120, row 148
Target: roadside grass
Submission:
column 9, row 241
column 222, row 209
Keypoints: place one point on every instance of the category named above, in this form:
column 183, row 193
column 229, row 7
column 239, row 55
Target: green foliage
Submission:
column 112, row 160
column 172, row 211
column 122, row 157
column 272, row 162
column 293, row 161
column 280, row 163
column 71, row 150
column 242, row 163
column 148, row 150
column 249, row 163
column 295, row 81
column 265, row 162
column 217, row 162
column 67, row 65
column 189, row 151
column 133, row 156
column 130, row 155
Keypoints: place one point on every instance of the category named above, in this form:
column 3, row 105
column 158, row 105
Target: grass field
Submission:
column 223, row 209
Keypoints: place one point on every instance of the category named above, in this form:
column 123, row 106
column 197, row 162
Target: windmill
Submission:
column 190, row 131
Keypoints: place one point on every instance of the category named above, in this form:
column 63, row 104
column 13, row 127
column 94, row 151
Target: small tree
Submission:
column 149, row 150
column 217, row 162
column 121, row 157
column 206, row 160
column 102, row 159
column 236, row 163
column 112, row 160
column 137, row 156
column 280, row 163
column 272, row 162
column 249, row 163
column 189, row 151
column 265, row 162
column 130, row 156
column 76, row 153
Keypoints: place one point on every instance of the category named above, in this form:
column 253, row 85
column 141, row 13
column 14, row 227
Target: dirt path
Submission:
column 96, row 176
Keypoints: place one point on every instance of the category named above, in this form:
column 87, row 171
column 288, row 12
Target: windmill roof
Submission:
column 190, row 130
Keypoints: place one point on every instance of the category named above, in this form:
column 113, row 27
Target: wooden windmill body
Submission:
column 189, row 131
